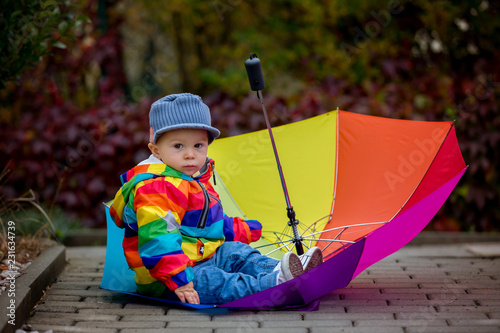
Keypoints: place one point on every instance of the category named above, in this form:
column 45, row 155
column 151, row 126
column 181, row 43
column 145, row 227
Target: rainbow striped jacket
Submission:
column 172, row 221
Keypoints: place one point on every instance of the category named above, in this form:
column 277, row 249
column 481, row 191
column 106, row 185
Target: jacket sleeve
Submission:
column 116, row 209
column 159, row 239
column 238, row 229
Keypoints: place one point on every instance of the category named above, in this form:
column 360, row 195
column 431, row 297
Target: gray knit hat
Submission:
column 180, row 111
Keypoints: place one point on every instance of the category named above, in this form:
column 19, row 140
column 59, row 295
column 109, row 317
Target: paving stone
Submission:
column 454, row 329
column 422, row 291
column 308, row 323
column 117, row 298
column 170, row 330
column 494, row 315
column 82, row 275
column 358, row 330
column 426, row 302
column 241, row 325
column 410, row 291
column 399, row 323
column 472, row 322
column 69, row 298
column 164, row 318
column 120, row 324
column 71, row 329
column 394, row 296
column 81, row 293
column 260, row 316
column 406, row 284
column 145, row 306
column 70, row 285
column 260, row 330
column 452, row 294
column 62, row 321
column 438, row 285
column 488, row 302
column 347, row 316
column 80, row 305
column 484, row 291
column 360, row 301
column 357, row 290
column 68, row 319
column 466, row 309
column 391, row 309
column 440, row 315
column 55, row 308
column 125, row 311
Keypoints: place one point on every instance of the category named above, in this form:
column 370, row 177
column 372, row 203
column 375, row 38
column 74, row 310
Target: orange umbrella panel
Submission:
column 381, row 164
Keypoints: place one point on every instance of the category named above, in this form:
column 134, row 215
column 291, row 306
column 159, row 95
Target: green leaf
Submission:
column 85, row 19
column 63, row 26
column 49, row 3
column 15, row 14
column 59, row 45
column 45, row 13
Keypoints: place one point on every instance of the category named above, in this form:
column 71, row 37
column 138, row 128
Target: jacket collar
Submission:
column 155, row 167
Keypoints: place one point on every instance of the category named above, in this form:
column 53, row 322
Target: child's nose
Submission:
column 189, row 153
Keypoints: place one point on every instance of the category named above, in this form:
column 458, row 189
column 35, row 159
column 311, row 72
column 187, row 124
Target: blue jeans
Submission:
column 236, row 270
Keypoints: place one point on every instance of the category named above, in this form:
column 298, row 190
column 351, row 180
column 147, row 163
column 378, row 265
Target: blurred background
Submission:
column 77, row 79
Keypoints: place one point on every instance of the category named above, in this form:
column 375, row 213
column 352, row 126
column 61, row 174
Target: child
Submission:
column 177, row 237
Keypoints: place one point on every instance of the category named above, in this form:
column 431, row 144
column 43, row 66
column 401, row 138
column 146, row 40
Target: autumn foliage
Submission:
column 72, row 124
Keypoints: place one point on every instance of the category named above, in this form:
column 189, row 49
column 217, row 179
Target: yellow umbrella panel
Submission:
column 251, row 185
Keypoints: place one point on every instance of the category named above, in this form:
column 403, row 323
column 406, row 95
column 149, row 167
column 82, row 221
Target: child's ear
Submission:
column 154, row 150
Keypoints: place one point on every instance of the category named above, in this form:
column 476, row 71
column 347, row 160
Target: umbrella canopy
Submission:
column 362, row 187
column 359, row 184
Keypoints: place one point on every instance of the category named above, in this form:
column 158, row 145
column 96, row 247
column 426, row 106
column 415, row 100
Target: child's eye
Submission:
column 178, row 146
column 198, row 145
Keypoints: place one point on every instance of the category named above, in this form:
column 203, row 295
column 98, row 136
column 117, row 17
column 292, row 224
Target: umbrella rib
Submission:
column 314, row 224
column 280, row 241
column 276, row 249
column 330, row 240
column 334, row 241
column 348, row 226
column 275, row 243
column 277, row 234
column 335, row 180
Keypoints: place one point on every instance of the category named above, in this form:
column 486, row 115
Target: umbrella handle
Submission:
column 256, row 79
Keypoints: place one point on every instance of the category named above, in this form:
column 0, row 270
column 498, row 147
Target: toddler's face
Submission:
column 184, row 149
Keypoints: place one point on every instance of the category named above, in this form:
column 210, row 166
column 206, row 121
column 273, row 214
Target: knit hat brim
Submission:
column 213, row 133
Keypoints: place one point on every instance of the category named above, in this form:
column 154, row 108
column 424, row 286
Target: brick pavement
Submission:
column 448, row 288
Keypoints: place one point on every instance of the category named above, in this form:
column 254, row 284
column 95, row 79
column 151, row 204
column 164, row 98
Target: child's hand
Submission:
column 187, row 293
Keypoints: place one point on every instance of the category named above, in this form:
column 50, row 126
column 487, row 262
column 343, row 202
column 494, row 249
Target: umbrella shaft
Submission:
column 291, row 214
column 280, row 170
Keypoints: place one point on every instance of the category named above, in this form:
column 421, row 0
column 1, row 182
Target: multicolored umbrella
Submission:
column 361, row 186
